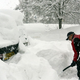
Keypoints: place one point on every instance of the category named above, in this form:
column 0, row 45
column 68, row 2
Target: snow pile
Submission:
column 27, row 67
column 11, row 22
column 23, row 34
column 50, row 32
column 17, row 15
column 4, row 68
column 58, row 53
column 8, row 28
column 39, row 66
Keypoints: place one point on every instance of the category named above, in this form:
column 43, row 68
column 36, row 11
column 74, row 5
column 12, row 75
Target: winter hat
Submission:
column 68, row 34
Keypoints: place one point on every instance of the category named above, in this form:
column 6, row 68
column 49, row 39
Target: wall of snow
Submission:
column 17, row 15
column 11, row 21
column 8, row 28
column 58, row 53
column 27, row 67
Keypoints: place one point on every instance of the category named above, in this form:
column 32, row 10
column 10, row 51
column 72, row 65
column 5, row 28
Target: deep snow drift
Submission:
column 47, row 54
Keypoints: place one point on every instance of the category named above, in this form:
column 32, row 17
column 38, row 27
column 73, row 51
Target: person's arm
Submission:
column 75, row 47
column 76, row 51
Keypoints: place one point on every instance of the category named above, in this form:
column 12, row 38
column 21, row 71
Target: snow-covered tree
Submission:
column 49, row 11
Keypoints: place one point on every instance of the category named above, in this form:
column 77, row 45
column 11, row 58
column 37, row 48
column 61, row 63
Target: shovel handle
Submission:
column 66, row 68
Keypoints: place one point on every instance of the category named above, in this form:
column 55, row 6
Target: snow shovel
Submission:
column 66, row 67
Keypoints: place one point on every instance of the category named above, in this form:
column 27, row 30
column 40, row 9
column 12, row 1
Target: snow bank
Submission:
column 35, row 27
column 28, row 67
column 58, row 53
column 48, row 27
column 50, row 32
column 40, row 67
column 17, row 15
column 8, row 28
column 5, row 71
column 23, row 35
column 11, row 22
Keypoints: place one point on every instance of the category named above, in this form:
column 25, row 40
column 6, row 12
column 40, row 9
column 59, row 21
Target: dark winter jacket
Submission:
column 76, row 46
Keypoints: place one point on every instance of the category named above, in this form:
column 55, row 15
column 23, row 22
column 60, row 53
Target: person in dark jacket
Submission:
column 75, row 42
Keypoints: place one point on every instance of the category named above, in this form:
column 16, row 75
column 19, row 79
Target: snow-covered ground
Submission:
column 46, row 55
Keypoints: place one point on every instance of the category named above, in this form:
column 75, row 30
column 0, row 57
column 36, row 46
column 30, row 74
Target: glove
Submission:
column 73, row 63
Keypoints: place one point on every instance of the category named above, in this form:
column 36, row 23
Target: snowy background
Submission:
column 46, row 55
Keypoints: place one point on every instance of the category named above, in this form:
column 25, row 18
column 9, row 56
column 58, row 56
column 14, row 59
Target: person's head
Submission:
column 70, row 35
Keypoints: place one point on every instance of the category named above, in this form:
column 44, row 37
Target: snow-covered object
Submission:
column 23, row 35
column 8, row 29
column 17, row 15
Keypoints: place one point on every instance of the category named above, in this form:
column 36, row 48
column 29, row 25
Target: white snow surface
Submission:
column 17, row 15
column 47, row 54
column 11, row 22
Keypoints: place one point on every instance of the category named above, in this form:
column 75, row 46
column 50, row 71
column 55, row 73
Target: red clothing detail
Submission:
column 75, row 52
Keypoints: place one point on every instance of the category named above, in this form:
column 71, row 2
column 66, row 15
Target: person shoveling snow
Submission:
column 75, row 42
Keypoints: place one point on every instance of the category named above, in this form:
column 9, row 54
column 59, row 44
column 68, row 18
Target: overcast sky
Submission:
column 8, row 4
